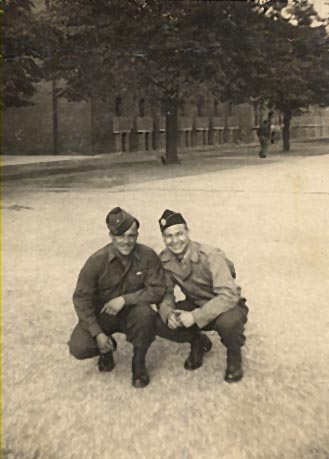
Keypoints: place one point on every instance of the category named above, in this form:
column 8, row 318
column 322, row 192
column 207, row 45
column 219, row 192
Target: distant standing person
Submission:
column 264, row 136
column 114, row 293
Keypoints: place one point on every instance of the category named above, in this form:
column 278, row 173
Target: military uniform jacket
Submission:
column 205, row 276
column 104, row 277
column 264, row 131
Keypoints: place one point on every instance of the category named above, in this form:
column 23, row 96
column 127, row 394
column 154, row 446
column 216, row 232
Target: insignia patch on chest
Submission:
column 139, row 273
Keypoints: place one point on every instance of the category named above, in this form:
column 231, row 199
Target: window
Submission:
column 118, row 106
column 216, row 111
column 182, row 107
column 200, row 108
column 141, row 107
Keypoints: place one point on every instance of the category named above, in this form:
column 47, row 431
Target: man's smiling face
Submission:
column 176, row 238
column 126, row 242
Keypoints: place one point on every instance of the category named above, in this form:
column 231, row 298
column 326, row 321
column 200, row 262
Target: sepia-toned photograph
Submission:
column 165, row 229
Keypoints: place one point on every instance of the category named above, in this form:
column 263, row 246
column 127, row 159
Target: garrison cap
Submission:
column 119, row 221
column 170, row 218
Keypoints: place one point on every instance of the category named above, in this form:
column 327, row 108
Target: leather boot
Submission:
column 106, row 362
column 199, row 345
column 234, row 371
column 140, row 377
column 206, row 342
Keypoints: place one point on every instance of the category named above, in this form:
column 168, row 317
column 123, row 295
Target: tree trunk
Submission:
column 54, row 106
column 92, row 124
column 286, row 131
column 172, row 135
column 55, row 116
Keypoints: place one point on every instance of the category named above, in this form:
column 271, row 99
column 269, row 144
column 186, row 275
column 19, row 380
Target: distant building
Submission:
column 131, row 123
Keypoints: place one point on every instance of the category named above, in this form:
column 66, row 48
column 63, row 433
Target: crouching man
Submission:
column 114, row 293
column 213, row 300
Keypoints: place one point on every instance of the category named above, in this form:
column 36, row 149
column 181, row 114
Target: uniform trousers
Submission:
column 137, row 322
column 264, row 144
column 229, row 325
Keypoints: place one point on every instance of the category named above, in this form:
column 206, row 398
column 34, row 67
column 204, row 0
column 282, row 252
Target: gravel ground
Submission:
column 271, row 217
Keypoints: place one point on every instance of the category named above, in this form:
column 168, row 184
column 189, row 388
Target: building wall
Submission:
column 313, row 124
column 28, row 130
column 131, row 122
column 74, row 127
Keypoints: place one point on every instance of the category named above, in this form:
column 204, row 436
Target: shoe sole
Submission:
column 192, row 368
column 139, row 384
column 233, row 380
column 107, row 370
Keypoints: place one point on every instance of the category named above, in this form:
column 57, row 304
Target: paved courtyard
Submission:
column 270, row 217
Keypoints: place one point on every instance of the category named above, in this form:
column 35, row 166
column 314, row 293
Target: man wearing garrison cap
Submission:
column 213, row 300
column 114, row 293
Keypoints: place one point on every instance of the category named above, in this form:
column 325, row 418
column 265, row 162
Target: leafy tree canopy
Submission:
column 242, row 51
column 20, row 48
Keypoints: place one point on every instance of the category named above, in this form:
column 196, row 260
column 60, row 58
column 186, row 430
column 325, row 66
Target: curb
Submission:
column 108, row 161
column 67, row 166
column 34, row 170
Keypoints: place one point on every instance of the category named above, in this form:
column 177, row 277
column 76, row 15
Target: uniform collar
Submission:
column 113, row 254
column 191, row 254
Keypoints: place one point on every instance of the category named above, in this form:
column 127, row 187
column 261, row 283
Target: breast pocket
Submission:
column 108, row 284
column 135, row 279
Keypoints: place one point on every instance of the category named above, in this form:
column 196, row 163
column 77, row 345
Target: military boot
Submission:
column 206, row 342
column 140, row 376
column 234, row 371
column 199, row 345
column 106, row 361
